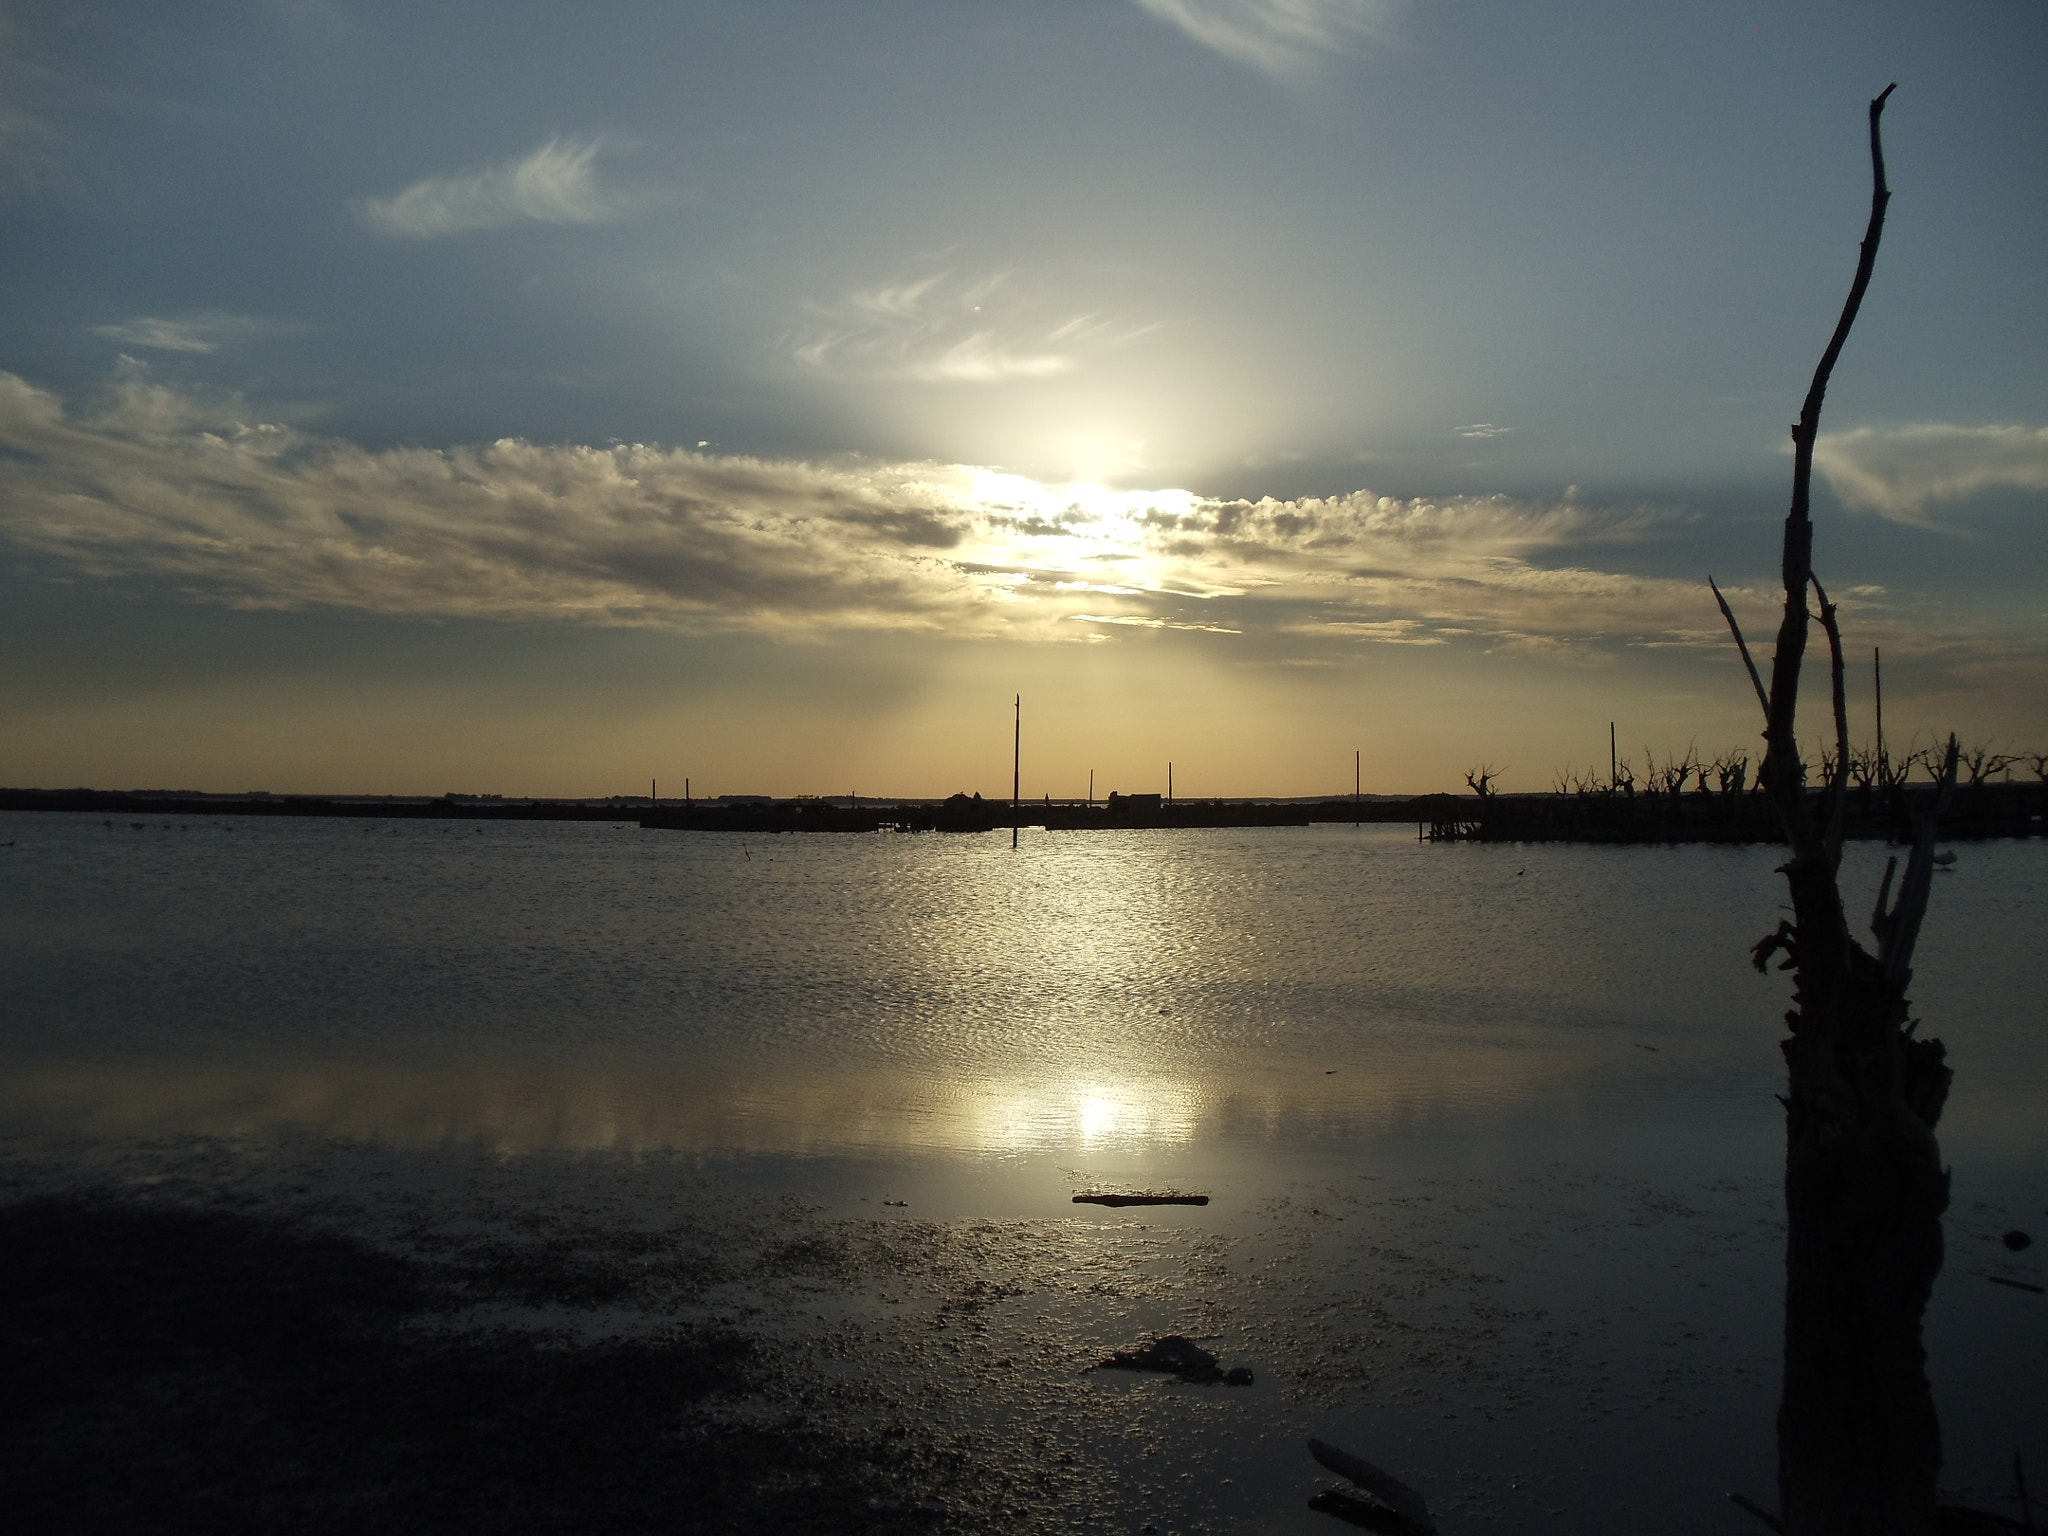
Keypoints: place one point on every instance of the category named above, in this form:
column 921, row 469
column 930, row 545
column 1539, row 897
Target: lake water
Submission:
column 1489, row 1131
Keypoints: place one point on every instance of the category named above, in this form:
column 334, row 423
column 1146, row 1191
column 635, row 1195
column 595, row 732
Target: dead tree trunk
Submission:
column 1859, row 1445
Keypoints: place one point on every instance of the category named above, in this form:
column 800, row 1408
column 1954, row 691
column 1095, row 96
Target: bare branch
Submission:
column 1881, row 920
column 1785, row 777
column 1755, row 678
column 1838, row 799
column 1902, row 927
column 1808, row 427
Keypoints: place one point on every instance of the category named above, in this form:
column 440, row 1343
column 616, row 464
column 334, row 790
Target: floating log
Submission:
column 1140, row 1199
column 1382, row 1485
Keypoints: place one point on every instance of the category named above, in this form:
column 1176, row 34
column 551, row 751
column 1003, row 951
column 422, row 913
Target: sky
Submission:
column 534, row 399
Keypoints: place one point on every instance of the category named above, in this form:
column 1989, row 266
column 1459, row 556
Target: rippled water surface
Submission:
column 1513, row 1102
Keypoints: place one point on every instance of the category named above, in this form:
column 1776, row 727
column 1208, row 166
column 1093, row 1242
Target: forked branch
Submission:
column 1786, row 774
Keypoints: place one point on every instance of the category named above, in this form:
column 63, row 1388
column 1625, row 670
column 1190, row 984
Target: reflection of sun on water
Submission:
column 1098, row 1120
column 1035, row 1117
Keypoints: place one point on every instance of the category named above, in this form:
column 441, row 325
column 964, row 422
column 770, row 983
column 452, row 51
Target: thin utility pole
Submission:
column 1169, row 783
column 1877, row 670
column 1613, row 761
column 1091, row 786
column 1016, row 768
column 653, row 798
column 1357, row 787
column 686, row 791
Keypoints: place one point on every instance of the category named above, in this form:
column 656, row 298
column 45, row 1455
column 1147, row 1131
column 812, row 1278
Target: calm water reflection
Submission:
column 574, row 987
column 1489, row 1132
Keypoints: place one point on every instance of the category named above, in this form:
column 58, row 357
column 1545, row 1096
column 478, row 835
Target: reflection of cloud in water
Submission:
column 518, row 1111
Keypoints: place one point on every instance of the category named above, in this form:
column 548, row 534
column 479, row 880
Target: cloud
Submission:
column 203, row 331
column 1903, row 473
column 1278, row 37
column 1483, row 429
column 556, row 184
column 33, row 152
column 174, row 485
column 937, row 329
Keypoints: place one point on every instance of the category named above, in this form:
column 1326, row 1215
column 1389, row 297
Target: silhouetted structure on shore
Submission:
column 1704, row 815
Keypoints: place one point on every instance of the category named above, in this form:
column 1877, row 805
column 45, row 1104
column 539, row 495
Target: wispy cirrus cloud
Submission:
column 1904, row 473
column 1279, row 37
column 169, row 484
column 938, row 328
column 555, row 184
column 201, row 331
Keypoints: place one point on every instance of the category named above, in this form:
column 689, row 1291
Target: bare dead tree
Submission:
column 1481, row 779
column 1859, row 1445
column 1981, row 763
column 1670, row 777
column 1569, row 780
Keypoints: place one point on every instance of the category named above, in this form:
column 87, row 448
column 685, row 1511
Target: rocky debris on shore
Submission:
column 1177, row 1356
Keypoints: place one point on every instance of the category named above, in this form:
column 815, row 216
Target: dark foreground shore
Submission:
column 180, row 1370
column 312, row 1336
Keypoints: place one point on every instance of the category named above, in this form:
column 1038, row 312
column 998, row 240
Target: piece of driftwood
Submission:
column 1140, row 1199
column 1382, row 1485
column 1750, row 1506
column 1366, row 1514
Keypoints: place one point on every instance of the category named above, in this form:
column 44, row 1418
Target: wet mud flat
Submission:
column 316, row 1336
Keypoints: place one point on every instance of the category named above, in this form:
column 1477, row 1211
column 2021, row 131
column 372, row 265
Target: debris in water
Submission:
column 1396, row 1495
column 1367, row 1514
column 1144, row 1197
column 2016, row 1240
column 1178, row 1356
column 2018, row 1285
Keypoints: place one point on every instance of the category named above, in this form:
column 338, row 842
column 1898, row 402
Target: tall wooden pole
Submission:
column 1613, row 760
column 1357, row 785
column 1877, row 669
column 1016, row 769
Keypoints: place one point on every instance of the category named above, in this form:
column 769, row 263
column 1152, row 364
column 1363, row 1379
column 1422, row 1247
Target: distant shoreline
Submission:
column 1977, row 812
column 748, row 813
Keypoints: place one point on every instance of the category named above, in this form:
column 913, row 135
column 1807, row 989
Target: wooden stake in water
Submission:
column 1016, row 769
